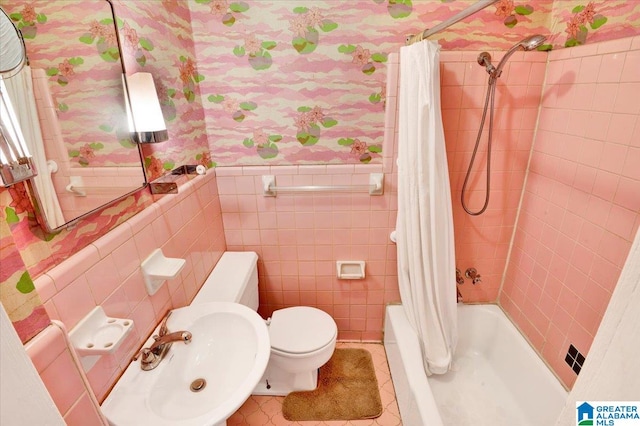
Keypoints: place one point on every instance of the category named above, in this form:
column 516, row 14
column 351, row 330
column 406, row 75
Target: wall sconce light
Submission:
column 15, row 162
column 146, row 122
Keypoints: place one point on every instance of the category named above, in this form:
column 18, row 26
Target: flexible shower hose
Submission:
column 491, row 92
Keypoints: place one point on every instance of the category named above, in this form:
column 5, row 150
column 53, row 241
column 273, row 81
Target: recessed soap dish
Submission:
column 98, row 334
column 157, row 268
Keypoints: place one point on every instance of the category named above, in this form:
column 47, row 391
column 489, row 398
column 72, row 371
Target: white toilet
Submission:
column 302, row 338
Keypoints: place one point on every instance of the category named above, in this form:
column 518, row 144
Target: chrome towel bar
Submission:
column 375, row 186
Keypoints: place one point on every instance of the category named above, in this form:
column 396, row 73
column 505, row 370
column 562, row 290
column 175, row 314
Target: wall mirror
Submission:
column 71, row 106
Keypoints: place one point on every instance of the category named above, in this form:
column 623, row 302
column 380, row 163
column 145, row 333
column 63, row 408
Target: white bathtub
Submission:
column 497, row 379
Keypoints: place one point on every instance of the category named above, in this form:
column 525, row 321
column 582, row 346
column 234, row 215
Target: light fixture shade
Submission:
column 145, row 116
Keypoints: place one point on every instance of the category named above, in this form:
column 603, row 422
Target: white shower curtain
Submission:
column 424, row 229
column 20, row 90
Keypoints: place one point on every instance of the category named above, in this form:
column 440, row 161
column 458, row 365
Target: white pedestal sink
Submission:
column 229, row 350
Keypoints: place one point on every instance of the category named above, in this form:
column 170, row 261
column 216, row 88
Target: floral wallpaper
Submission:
column 17, row 292
column 255, row 82
column 302, row 82
column 575, row 22
column 270, row 67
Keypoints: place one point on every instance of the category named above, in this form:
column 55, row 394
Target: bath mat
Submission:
column 347, row 390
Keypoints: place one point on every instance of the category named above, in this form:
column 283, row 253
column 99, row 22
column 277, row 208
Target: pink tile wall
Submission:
column 581, row 207
column 107, row 272
column 483, row 241
column 62, row 378
column 299, row 237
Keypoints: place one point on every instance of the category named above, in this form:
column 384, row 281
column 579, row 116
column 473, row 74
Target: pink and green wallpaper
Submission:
column 17, row 292
column 575, row 22
column 263, row 82
column 302, row 82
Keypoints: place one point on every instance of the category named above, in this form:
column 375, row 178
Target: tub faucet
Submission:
column 474, row 275
column 155, row 353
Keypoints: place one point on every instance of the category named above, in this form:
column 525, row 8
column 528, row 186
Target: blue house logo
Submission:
column 585, row 414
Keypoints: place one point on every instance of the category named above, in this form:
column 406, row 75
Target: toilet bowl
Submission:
column 302, row 338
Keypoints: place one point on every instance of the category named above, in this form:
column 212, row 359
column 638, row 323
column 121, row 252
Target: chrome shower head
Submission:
column 527, row 44
column 532, row 42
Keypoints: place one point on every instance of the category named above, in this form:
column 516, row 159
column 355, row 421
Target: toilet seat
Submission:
column 301, row 329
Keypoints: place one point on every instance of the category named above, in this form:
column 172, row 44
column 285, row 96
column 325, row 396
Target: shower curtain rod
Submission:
column 478, row 6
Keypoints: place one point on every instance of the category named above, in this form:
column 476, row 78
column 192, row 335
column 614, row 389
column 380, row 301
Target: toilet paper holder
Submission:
column 350, row 269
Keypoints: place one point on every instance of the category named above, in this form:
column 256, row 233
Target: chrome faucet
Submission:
column 474, row 275
column 155, row 353
column 459, row 281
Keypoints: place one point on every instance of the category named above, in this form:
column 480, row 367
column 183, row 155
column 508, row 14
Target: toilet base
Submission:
column 282, row 383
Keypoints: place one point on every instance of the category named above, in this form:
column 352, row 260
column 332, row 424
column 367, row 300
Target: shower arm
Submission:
column 527, row 44
column 494, row 72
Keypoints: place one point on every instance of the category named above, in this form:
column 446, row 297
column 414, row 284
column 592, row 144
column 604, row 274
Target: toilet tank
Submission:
column 233, row 279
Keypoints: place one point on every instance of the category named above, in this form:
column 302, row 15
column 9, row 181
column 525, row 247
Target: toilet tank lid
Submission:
column 220, row 286
column 301, row 329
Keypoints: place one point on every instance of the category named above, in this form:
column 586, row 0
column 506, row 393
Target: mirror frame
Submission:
column 14, row 69
column 33, row 191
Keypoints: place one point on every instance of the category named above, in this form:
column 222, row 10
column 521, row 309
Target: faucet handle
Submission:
column 163, row 325
column 473, row 274
column 147, row 356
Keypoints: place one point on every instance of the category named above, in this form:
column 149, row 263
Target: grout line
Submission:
column 524, row 184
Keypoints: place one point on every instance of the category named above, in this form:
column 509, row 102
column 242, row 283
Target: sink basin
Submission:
column 229, row 350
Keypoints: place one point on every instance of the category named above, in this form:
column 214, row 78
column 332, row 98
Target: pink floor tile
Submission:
column 267, row 410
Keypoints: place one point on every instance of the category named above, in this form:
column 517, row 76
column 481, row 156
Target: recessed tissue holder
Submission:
column 350, row 269
column 97, row 334
column 157, row 268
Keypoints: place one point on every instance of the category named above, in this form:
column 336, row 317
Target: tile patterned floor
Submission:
column 267, row 410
